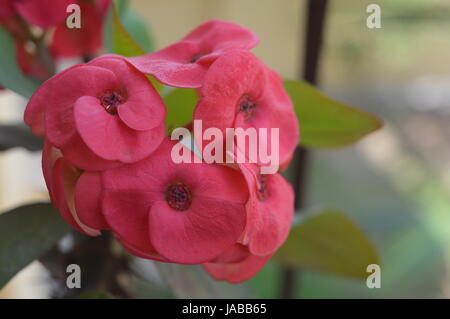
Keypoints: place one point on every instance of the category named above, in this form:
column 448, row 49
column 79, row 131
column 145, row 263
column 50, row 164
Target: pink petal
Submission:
column 218, row 182
column 59, row 194
column 237, row 272
column 34, row 113
column 221, row 34
column 184, row 64
column 127, row 215
column 74, row 42
column 269, row 118
column 213, row 222
column 269, row 219
column 198, row 234
column 156, row 172
column 49, row 156
column 108, row 137
column 64, row 179
column 144, row 108
column 152, row 255
column 88, row 192
column 43, row 13
column 232, row 76
column 79, row 155
column 65, row 91
column 223, row 89
column 171, row 65
column 275, row 110
column 236, row 253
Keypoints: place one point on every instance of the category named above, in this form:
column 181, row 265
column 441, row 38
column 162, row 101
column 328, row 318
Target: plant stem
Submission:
column 100, row 266
column 42, row 52
column 313, row 45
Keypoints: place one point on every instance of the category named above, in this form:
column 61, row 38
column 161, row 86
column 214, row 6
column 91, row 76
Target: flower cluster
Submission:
column 108, row 166
column 37, row 23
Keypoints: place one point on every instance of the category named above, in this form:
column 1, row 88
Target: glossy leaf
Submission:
column 118, row 40
column 10, row 75
column 325, row 123
column 180, row 105
column 95, row 295
column 122, row 42
column 329, row 242
column 137, row 29
column 26, row 233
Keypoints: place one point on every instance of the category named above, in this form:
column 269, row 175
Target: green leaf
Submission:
column 137, row 29
column 122, row 42
column 128, row 25
column 180, row 105
column 10, row 75
column 329, row 242
column 18, row 135
column 94, row 294
column 26, row 233
column 325, row 123
column 118, row 40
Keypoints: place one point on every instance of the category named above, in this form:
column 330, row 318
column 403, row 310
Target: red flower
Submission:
column 240, row 92
column 185, row 213
column 86, row 40
column 46, row 14
column 108, row 166
column 100, row 114
column 270, row 210
column 184, row 64
column 42, row 13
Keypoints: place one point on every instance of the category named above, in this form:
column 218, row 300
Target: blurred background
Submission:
column 395, row 184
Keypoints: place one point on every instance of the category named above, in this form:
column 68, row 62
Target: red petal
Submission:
column 108, row 137
column 171, row 65
column 127, row 215
column 144, row 108
column 65, row 91
column 218, row 34
column 34, row 113
column 268, row 220
column 64, row 179
column 236, row 253
column 79, row 155
column 43, row 13
column 233, row 75
column 152, row 255
column 86, row 40
column 184, row 64
column 237, row 272
column 156, row 172
column 198, row 234
column 88, row 192
column 49, row 156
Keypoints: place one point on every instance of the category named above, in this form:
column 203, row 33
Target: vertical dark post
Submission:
column 313, row 44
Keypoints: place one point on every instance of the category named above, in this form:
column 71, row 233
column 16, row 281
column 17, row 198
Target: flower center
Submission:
column 178, row 196
column 195, row 57
column 111, row 100
column 247, row 106
column 263, row 193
